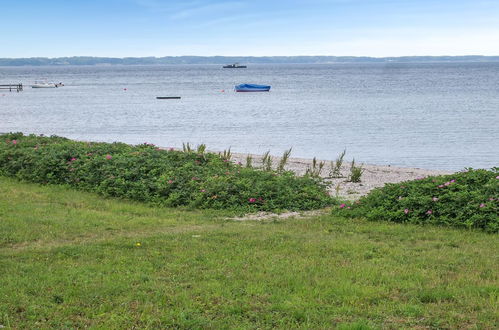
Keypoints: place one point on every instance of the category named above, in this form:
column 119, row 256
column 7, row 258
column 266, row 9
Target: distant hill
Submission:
column 89, row 60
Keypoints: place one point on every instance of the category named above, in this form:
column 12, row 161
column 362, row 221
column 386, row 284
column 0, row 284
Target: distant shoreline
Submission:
column 221, row 60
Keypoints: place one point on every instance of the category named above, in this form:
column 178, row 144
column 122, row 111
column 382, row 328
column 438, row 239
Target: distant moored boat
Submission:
column 234, row 66
column 252, row 88
column 45, row 84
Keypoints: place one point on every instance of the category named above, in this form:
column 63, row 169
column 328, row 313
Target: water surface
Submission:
column 431, row 115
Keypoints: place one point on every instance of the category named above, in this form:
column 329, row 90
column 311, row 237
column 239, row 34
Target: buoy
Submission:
column 124, row 89
column 222, row 91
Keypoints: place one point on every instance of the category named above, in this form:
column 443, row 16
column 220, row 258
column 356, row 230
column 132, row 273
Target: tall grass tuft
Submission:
column 226, row 155
column 249, row 161
column 355, row 172
column 316, row 169
column 335, row 171
column 186, row 147
column 267, row 161
column 284, row 160
column 201, row 149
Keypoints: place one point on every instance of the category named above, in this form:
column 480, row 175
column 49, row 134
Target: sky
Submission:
column 140, row 28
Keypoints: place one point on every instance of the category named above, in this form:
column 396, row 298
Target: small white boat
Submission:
column 45, row 84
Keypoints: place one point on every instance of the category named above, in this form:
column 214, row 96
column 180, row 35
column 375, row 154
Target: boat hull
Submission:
column 234, row 66
column 248, row 88
column 252, row 91
column 43, row 86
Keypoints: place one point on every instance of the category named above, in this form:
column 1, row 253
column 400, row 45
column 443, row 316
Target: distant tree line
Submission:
column 89, row 60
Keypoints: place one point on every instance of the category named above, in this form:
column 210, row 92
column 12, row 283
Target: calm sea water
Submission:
column 437, row 116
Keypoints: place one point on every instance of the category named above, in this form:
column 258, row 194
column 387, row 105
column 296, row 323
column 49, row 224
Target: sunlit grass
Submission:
column 70, row 260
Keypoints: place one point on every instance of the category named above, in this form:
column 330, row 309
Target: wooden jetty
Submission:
column 12, row 87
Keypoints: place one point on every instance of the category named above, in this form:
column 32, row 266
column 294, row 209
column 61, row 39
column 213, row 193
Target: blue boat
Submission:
column 252, row 88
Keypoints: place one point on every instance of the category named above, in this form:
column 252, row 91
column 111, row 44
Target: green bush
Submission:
column 164, row 177
column 468, row 199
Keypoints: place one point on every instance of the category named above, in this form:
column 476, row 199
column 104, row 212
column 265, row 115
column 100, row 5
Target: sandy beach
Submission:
column 374, row 176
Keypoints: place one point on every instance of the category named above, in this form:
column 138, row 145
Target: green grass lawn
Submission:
column 72, row 260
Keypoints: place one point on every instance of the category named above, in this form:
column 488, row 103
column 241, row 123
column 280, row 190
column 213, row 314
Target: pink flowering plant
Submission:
column 468, row 199
column 191, row 178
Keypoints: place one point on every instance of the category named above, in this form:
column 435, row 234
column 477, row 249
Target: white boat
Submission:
column 45, row 84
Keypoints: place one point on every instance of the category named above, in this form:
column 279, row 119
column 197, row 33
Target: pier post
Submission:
column 17, row 87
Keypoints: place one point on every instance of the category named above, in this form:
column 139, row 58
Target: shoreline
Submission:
column 374, row 176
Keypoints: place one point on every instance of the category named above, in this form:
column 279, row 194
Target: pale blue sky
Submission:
column 120, row 28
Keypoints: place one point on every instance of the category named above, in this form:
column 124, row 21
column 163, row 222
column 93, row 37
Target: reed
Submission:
column 186, row 147
column 267, row 162
column 284, row 160
column 316, row 169
column 226, row 155
column 335, row 171
column 201, row 149
column 249, row 161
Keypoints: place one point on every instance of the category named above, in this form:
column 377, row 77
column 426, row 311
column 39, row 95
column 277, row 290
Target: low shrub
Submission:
column 166, row 177
column 468, row 199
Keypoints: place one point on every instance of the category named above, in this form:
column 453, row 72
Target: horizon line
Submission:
column 250, row 56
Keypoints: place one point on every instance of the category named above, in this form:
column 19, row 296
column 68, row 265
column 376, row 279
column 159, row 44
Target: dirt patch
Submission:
column 262, row 216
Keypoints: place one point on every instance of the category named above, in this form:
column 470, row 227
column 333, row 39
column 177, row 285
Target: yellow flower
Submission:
column 138, row 244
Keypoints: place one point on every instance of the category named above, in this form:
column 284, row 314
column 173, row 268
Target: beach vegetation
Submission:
column 186, row 147
column 467, row 199
column 267, row 161
column 335, row 171
column 284, row 160
column 249, row 161
column 201, row 149
column 355, row 172
column 315, row 169
column 163, row 177
column 226, row 155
